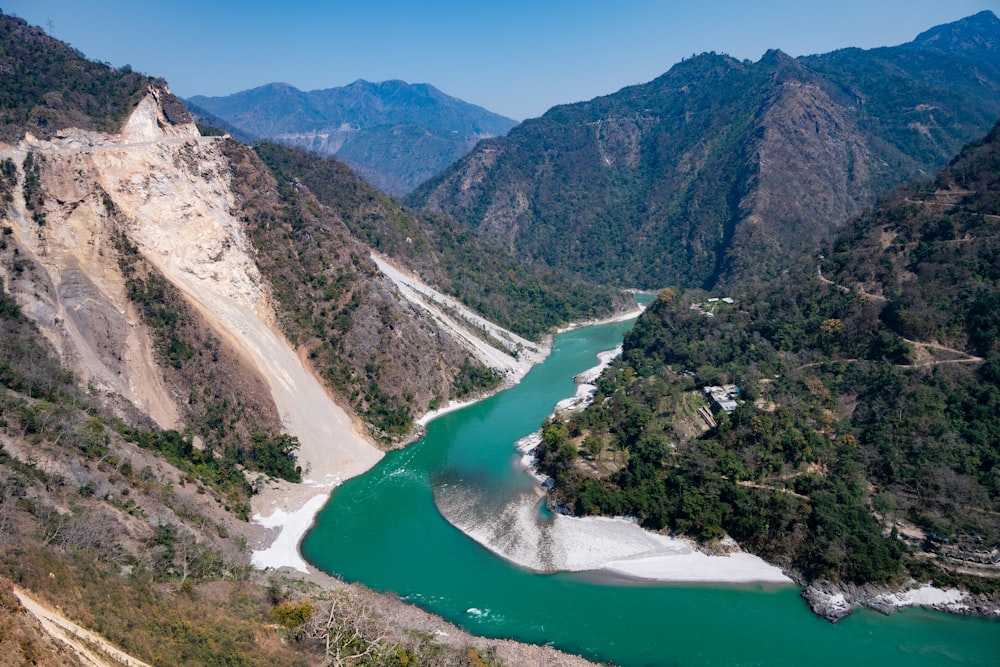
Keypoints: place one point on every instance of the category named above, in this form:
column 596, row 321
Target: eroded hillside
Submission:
column 149, row 255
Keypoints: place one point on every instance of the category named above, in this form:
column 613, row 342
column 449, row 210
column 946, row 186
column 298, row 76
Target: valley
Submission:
column 256, row 410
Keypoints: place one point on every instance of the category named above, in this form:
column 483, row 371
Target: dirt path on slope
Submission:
column 91, row 648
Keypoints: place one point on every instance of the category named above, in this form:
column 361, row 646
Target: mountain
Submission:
column 723, row 170
column 394, row 134
column 974, row 37
column 855, row 440
column 190, row 337
column 528, row 300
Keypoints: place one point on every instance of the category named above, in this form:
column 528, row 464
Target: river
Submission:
column 384, row 530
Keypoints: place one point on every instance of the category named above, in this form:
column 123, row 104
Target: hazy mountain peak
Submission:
column 776, row 56
column 975, row 35
column 393, row 133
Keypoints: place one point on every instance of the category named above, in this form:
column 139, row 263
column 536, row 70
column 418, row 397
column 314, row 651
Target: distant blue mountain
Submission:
column 394, row 134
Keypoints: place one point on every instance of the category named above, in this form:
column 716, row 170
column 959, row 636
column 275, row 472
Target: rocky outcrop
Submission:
column 837, row 600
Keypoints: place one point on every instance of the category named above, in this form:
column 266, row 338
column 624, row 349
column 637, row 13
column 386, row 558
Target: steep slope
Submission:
column 530, row 301
column 394, row 134
column 378, row 352
column 860, row 438
column 169, row 190
column 150, row 399
column 930, row 252
column 720, row 169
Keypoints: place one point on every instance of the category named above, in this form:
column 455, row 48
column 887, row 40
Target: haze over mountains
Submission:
column 720, row 169
column 394, row 134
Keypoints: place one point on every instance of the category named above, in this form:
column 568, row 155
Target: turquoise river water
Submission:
column 383, row 529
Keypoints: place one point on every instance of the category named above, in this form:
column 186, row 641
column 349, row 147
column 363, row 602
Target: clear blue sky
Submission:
column 515, row 57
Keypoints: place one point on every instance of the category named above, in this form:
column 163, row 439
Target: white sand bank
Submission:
column 284, row 551
column 517, row 532
column 596, row 541
column 621, row 317
column 451, row 407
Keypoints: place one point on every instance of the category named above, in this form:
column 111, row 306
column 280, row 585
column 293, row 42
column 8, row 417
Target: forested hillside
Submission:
column 862, row 444
column 722, row 170
column 48, row 86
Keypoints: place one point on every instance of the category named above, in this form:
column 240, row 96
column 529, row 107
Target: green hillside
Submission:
column 863, row 445
column 724, row 170
column 528, row 300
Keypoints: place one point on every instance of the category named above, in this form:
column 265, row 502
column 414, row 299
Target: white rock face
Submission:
column 75, row 291
column 508, row 353
column 173, row 188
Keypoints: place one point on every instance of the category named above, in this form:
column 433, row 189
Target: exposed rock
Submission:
column 828, row 600
column 835, row 601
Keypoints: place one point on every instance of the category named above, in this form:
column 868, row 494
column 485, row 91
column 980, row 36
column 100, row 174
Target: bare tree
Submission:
column 349, row 628
column 51, row 523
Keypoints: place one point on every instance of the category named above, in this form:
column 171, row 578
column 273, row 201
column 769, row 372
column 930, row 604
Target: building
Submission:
column 725, row 398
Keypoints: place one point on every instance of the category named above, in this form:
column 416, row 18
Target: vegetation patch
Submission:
column 865, row 401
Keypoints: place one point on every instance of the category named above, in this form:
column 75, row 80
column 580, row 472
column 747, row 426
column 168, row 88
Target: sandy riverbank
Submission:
column 617, row 547
column 286, row 511
column 517, row 531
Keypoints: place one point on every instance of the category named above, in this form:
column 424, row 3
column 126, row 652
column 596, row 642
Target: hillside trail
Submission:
column 826, row 281
column 966, row 357
column 89, row 647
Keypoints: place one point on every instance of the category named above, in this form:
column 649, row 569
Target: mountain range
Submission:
column 724, row 170
column 195, row 331
column 393, row 134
